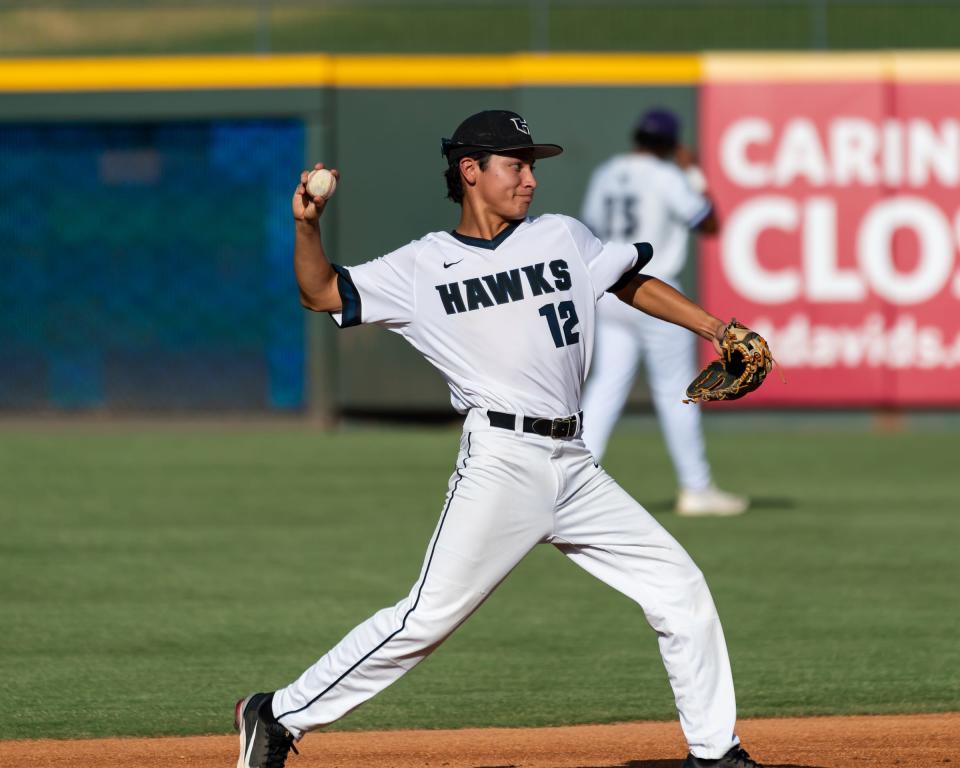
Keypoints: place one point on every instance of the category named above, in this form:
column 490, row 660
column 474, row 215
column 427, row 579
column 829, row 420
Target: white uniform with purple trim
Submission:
column 509, row 323
column 630, row 198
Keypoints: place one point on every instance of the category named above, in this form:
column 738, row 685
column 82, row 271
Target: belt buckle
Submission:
column 569, row 425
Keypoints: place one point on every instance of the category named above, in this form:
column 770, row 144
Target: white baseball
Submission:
column 321, row 183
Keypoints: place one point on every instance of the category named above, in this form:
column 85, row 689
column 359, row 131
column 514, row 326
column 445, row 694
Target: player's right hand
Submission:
column 684, row 156
column 306, row 207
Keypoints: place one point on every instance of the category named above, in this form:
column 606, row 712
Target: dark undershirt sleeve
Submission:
column 349, row 298
column 644, row 254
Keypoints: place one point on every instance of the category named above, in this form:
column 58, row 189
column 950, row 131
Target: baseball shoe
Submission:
column 264, row 743
column 735, row 758
column 710, row 502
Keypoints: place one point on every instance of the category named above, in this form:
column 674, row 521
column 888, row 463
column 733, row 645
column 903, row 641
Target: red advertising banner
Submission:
column 840, row 223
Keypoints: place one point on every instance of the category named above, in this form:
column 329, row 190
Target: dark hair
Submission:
column 455, row 181
column 659, row 145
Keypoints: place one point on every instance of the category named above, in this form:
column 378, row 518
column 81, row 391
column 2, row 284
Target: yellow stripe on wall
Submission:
column 610, row 69
column 788, row 67
column 927, row 66
column 514, row 70
column 467, row 71
column 913, row 66
column 317, row 70
column 423, row 71
column 165, row 73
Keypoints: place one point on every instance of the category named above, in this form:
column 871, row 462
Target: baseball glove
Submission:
column 742, row 366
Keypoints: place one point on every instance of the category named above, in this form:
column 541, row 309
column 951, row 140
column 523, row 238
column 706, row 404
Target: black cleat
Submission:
column 264, row 743
column 735, row 758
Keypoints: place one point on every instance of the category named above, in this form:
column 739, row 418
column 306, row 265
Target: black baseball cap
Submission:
column 494, row 130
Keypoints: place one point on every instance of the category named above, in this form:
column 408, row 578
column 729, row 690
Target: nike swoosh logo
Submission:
column 447, row 266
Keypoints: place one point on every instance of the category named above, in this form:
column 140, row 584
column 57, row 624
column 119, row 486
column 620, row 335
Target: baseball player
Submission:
column 655, row 194
column 504, row 306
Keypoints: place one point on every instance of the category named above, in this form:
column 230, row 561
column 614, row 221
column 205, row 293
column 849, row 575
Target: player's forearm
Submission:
column 661, row 300
column 315, row 277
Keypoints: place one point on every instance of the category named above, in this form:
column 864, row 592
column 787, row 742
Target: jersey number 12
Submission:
column 568, row 313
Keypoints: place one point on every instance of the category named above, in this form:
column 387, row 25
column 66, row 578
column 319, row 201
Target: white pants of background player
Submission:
column 624, row 337
column 510, row 492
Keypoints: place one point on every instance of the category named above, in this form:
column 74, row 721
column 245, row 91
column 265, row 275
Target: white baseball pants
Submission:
column 624, row 337
column 510, row 492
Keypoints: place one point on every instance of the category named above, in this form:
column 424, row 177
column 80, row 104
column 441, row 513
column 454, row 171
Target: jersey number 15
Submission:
column 565, row 311
column 621, row 217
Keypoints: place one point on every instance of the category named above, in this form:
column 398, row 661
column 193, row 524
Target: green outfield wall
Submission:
column 145, row 223
column 378, row 119
column 145, row 235
column 388, row 148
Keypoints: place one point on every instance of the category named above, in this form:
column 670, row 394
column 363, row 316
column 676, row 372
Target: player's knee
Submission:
column 689, row 597
column 698, row 598
column 431, row 626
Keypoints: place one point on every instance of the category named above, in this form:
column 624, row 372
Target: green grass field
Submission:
column 149, row 577
column 83, row 27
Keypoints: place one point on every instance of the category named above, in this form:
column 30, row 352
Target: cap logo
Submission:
column 520, row 124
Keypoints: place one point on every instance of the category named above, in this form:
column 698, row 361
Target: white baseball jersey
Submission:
column 639, row 197
column 508, row 322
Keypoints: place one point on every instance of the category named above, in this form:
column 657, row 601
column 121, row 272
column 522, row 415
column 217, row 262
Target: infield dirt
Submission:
column 883, row 741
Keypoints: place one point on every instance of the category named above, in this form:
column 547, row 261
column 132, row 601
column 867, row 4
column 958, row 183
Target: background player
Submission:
column 654, row 193
column 504, row 307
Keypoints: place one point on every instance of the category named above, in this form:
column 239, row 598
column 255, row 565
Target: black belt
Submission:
column 556, row 428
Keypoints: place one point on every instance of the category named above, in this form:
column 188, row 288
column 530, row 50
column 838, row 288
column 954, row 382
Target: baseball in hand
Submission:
column 321, row 183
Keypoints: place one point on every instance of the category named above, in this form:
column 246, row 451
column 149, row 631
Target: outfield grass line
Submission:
column 715, row 420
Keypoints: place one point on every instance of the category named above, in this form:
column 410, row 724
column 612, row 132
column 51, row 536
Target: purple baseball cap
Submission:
column 660, row 124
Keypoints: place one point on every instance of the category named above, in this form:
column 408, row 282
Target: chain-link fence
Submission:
column 145, row 267
column 66, row 27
